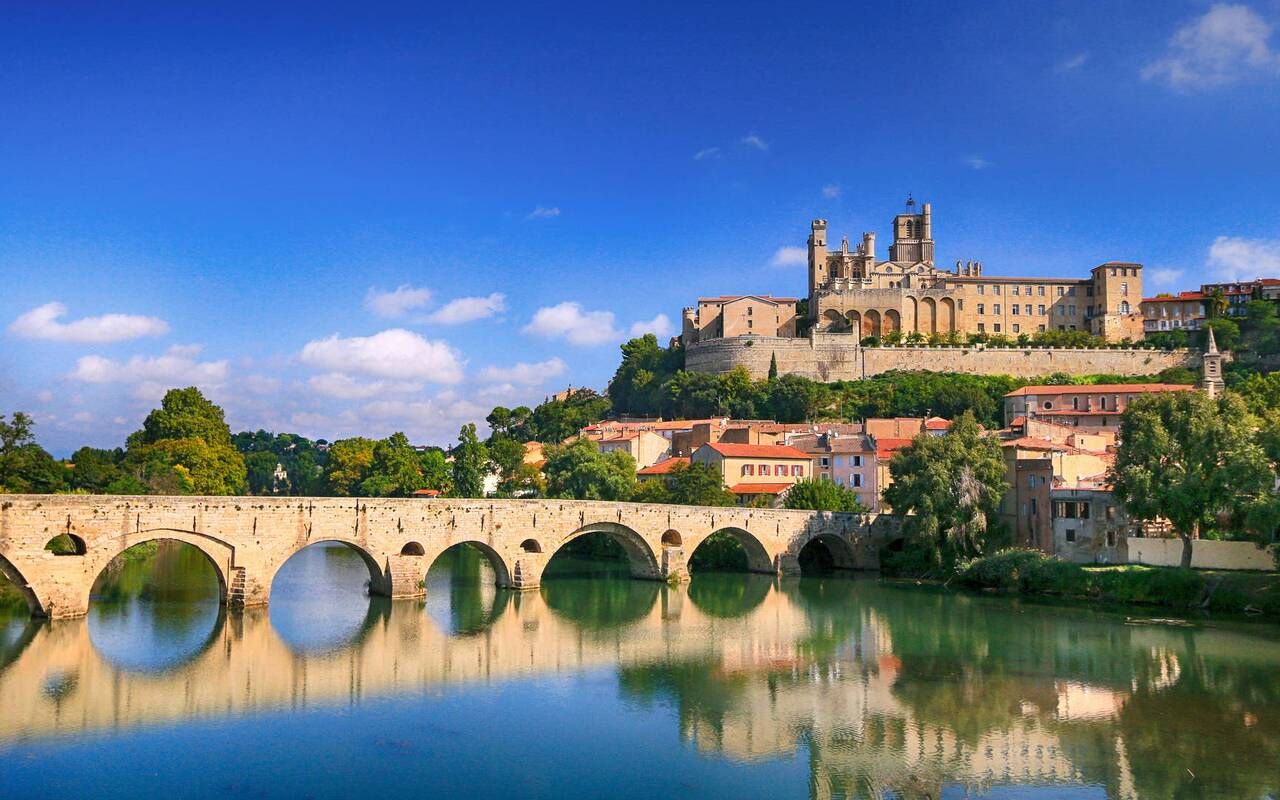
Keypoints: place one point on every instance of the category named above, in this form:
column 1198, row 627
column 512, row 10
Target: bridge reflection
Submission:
column 885, row 689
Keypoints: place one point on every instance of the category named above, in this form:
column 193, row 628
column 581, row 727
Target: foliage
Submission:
column 697, row 484
column 95, row 469
column 948, row 489
column 580, row 471
column 303, row 460
column 395, row 470
column 470, row 464
column 1226, row 332
column 1192, row 460
column 184, row 447
column 719, row 552
column 349, row 464
column 556, row 420
column 25, row 466
column 1022, row 570
column 644, row 368
column 824, row 495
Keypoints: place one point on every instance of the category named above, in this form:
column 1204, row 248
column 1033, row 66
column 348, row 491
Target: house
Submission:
column 662, row 469
column 754, row 470
column 1167, row 312
column 647, row 447
column 848, row 460
column 1089, row 525
column 885, row 448
column 1094, row 407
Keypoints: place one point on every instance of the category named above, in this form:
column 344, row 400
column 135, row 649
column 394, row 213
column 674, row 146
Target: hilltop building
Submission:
column 852, row 291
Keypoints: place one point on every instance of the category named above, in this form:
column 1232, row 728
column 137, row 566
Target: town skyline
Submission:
column 421, row 262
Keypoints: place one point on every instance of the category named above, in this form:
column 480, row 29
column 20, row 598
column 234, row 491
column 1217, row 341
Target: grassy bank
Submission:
column 1030, row 572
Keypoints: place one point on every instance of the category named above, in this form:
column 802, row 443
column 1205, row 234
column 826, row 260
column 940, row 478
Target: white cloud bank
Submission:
column 790, row 257
column 1230, row 42
column 524, row 373
column 544, row 212
column 468, row 309
column 570, row 322
column 753, row 141
column 395, row 353
column 1234, row 258
column 151, row 376
column 397, row 302
column 43, row 322
column 660, row 326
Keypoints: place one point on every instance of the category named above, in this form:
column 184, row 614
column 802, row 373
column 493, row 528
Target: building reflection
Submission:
column 885, row 692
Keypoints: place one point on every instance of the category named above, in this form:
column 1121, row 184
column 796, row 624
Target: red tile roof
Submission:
column 886, row 447
column 1101, row 388
column 663, row 467
column 1180, row 297
column 759, row 488
column 729, row 450
column 937, row 424
column 426, row 493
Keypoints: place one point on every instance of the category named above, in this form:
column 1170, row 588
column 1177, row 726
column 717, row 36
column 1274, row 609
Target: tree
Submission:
column 25, row 466
column 470, row 464
column 1225, row 331
column 556, row 420
column 349, row 464
column 1190, row 459
column 697, row 484
column 823, row 495
column 395, row 470
column 948, row 490
column 580, row 471
column 645, row 366
column 95, row 469
column 436, row 473
column 185, row 447
column 511, row 422
column 773, row 366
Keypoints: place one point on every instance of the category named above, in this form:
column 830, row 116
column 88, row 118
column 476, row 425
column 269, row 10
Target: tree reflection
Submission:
column 463, row 577
column 728, row 595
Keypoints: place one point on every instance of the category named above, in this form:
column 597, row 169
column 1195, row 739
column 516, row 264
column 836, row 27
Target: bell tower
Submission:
column 1211, row 367
column 818, row 274
column 913, row 235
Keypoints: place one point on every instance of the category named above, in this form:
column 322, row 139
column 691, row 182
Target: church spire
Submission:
column 1211, row 367
column 1212, row 349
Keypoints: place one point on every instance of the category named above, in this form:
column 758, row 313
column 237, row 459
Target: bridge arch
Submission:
column 758, row 559
column 219, row 553
column 66, row 544
column 413, row 549
column 642, row 560
column 11, row 573
column 820, row 551
column 378, row 580
column 501, row 570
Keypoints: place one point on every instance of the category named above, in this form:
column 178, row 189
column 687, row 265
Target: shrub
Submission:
column 1026, row 571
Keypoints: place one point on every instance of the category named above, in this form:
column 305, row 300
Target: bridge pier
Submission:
column 787, row 565
column 674, row 567
column 405, row 576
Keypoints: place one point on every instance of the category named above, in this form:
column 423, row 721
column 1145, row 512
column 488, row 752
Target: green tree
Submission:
column 1190, row 459
column 948, row 490
column 556, row 420
column 185, row 447
column 645, row 366
column 697, row 484
column 261, row 468
column 823, row 495
column 510, row 422
column 25, row 466
column 470, row 463
column 773, row 366
column 396, row 470
column 349, row 463
column 436, row 472
column 95, row 469
column 1225, row 332
column 580, row 471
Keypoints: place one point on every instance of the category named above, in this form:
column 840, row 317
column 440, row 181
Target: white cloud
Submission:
column 468, row 309
column 396, row 302
column 524, row 373
column 1164, row 276
column 752, row 140
column 707, row 152
column 259, row 384
column 42, row 323
column 569, row 322
column 543, row 212
column 395, row 353
column 83, row 417
column 1234, row 258
column 790, row 257
column 1071, row 63
column 1228, row 43
column 831, row 191
column 45, row 396
column 344, row 387
column 152, row 376
column 977, row 162
column 660, row 326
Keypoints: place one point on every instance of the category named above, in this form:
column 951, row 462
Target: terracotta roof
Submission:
column 426, row 493
column 663, row 467
column 728, row 298
column 937, row 424
column 1180, row 297
column 756, row 450
column 886, row 447
column 1101, row 388
column 759, row 488
column 1017, row 422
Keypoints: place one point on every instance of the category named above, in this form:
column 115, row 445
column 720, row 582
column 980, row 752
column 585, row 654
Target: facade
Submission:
column 645, row 446
column 852, row 291
column 848, row 460
column 1168, row 312
column 885, row 448
column 751, row 470
column 1089, row 407
column 1239, row 293
column 1089, row 525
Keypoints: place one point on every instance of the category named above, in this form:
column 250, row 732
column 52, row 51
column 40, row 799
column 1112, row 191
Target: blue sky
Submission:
column 235, row 197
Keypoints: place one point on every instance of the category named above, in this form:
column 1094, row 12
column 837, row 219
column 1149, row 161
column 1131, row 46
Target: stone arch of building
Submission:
column 833, row 319
column 758, row 559
column 12, row 574
column 948, row 310
column 912, row 320
column 892, row 321
column 672, row 538
column 855, row 321
column 928, row 316
column 642, row 559
column 78, row 547
column 871, row 323
column 501, row 570
column 219, row 553
column 378, row 579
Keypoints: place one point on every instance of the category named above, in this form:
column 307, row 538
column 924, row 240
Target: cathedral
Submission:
column 851, row 291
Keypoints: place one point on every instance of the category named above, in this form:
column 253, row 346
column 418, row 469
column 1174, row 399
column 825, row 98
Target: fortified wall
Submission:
column 838, row 357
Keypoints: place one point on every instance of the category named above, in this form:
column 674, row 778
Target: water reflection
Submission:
column 155, row 607
column 868, row 690
column 320, row 600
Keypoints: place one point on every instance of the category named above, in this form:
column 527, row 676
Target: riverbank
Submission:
column 1032, row 573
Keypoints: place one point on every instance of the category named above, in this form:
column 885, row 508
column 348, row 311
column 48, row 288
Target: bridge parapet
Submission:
column 248, row 539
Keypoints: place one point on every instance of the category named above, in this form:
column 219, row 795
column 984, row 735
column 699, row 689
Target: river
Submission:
column 733, row 686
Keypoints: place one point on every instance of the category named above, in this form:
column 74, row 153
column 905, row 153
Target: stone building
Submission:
column 1169, row 312
column 755, row 470
column 852, row 291
column 1089, row 407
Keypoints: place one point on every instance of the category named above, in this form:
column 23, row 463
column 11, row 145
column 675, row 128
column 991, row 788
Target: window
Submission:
column 1111, row 513
column 780, row 470
column 764, row 469
column 982, row 327
column 1071, row 291
column 1031, row 481
column 1059, row 291
column 1035, row 509
column 1015, row 291
column 857, row 480
column 1111, row 538
column 1071, row 310
column 995, row 289
column 1071, row 535
column 1040, row 309
column 749, row 323
column 1027, row 309
column 1075, row 404
column 982, row 308
column 1014, row 309
column 995, row 308
column 1041, row 291
column 996, row 327
column 1124, row 289
column 982, row 289
column 1040, row 328
column 1017, row 328
column 797, row 471
column 1124, row 306
column 749, row 310
column 855, row 461
column 824, row 462
column 748, row 469
column 1084, row 509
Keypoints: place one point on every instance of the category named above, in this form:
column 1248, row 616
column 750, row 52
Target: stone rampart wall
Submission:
column 837, row 357
column 1205, row 554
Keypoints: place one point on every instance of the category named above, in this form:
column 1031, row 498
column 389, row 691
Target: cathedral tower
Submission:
column 913, row 235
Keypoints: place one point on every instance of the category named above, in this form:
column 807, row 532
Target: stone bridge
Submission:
column 248, row 539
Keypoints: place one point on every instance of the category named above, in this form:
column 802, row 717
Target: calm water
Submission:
column 733, row 686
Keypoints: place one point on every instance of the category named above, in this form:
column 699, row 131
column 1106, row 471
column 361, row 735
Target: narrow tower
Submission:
column 1211, row 366
column 817, row 260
